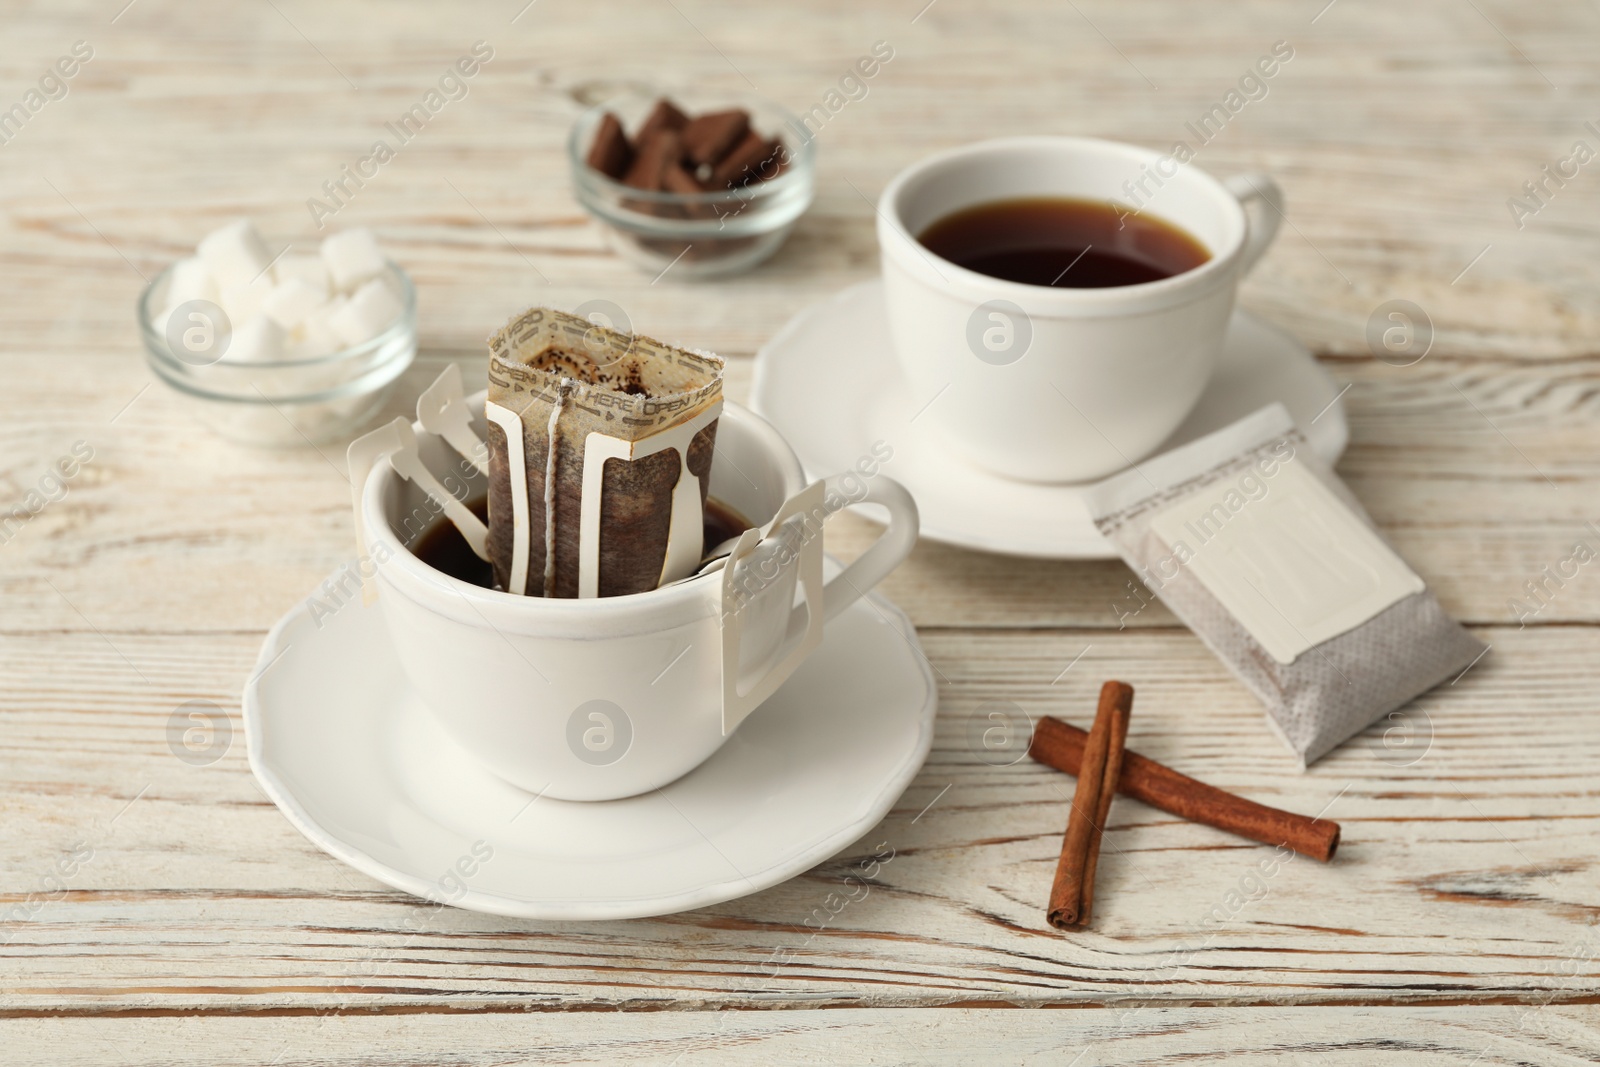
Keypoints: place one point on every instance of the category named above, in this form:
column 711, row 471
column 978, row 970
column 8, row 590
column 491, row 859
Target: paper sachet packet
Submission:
column 1259, row 548
column 600, row 447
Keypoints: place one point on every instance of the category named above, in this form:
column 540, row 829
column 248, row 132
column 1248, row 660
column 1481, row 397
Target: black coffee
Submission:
column 720, row 523
column 1062, row 242
column 442, row 547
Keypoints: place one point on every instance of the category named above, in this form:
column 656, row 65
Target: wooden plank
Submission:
column 1467, row 872
column 1358, row 1037
column 1398, row 131
column 1387, row 201
column 169, row 529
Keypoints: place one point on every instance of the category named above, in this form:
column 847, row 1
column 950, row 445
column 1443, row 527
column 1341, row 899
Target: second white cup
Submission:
column 1056, row 384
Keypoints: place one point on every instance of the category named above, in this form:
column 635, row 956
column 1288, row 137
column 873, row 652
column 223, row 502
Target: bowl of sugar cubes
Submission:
column 281, row 348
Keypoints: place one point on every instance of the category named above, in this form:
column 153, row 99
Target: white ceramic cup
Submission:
column 1054, row 384
column 596, row 699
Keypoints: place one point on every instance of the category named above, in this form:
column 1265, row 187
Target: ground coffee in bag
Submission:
column 565, row 395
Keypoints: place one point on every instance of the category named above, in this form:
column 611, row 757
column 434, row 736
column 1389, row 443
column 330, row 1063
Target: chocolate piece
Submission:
column 651, row 159
column 678, row 180
column 712, row 152
column 709, row 137
column 774, row 164
column 610, row 153
column 742, row 165
column 664, row 116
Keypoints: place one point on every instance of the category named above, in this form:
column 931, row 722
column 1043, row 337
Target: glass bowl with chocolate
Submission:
column 701, row 185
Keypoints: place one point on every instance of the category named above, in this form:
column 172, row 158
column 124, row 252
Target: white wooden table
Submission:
column 1458, row 924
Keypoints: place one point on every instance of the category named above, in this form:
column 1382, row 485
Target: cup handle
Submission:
column 823, row 600
column 887, row 552
column 1262, row 193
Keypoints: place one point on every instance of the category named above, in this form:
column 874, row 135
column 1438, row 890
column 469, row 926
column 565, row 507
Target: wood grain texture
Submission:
column 1467, row 872
column 1458, row 923
column 1462, row 494
column 1255, row 1037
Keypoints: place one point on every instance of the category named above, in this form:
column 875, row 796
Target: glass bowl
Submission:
column 697, row 235
column 287, row 402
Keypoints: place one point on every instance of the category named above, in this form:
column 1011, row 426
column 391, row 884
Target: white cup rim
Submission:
column 421, row 581
column 909, row 252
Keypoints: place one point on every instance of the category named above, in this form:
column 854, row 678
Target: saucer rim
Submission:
column 274, row 647
column 1329, row 444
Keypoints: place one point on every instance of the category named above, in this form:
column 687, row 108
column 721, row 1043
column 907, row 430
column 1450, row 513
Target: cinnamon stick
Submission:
column 1072, row 895
column 1063, row 746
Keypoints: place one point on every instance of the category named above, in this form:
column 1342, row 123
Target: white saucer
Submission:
column 359, row 765
column 830, row 384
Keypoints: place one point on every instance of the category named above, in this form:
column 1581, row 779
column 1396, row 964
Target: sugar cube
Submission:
column 290, row 302
column 246, row 300
column 368, row 313
column 159, row 323
column 300, row 348
column 314, row 337
column 190, row 279
column 259, row 340
column 309, row 269
column 235, row 254
column 352, row 257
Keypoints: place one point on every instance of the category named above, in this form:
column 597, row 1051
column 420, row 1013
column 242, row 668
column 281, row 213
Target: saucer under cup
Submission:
column 360, row 765
column 845, row 338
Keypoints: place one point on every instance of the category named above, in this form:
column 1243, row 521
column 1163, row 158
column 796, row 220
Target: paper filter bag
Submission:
column 600, row 447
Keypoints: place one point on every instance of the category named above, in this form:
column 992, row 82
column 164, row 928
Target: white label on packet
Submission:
column 1295, row 566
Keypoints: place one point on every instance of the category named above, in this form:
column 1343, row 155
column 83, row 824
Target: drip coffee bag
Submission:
column 600, row 447
column 1263, row 552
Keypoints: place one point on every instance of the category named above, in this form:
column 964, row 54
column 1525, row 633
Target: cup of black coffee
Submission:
column 1059, row 303
column 605, row 697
